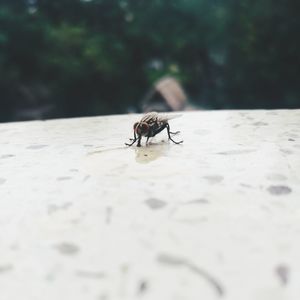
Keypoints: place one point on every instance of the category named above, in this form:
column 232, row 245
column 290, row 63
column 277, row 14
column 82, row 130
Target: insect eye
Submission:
column 145, row 127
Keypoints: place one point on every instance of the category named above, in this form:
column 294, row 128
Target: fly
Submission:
column 150, row 125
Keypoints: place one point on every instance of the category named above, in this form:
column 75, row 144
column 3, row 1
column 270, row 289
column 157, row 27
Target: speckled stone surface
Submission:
column 84, row 217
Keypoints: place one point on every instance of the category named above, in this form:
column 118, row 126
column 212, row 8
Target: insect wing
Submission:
column 150, row 117
column 166, row 118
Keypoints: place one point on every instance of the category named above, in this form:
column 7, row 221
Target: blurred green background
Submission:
column 67, row 58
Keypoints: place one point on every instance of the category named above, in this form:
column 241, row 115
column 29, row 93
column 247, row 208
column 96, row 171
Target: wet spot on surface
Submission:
column 283, row 273
column 90, row 274
column 74, row 170
column 87, row 146
column 214, row 178
column 291, row 140
column 279, row 190
column 276, row 177
column 155, row 203
column 7, row 156
column 178, row 261
column 6, row 268
column 54, row 208
column 2, row 181
column 67, row 248
column 260, row 124
column 63, row 178
column 236, row 125
column 36, row 147
column 151, row 152
column 234, row 152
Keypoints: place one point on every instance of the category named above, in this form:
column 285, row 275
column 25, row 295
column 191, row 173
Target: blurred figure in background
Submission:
column 167, row 94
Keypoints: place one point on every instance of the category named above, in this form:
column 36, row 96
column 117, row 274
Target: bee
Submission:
column 150, row 125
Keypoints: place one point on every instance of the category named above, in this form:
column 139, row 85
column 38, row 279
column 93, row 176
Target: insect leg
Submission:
column 134, row 137
column 134, row 140
column 139, row 141
column 168, row 129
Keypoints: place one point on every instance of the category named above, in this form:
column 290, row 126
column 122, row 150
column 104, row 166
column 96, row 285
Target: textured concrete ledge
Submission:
column 84, row 217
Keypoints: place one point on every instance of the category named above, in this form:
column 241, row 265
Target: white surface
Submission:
column 84, row 217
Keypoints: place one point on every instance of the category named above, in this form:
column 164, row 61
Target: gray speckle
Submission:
column 276, row 177
column 170, row 260
column 2, row 181
column 50, row 277
column 214, row 178
column 260, row 124
column 7, row 156
column 52, row 208
column 283, row 273
column 192, row 221
column 6, row 268
column 143, row 286
column 109, row 211
column 233, row 152
column 86, row 178
column 279, row 190
column 178, row 261
column 198, row 201
column 246, row 185
column 36, row 147
column 236, row 125
column 286, row 151
column 90, row 274
column 271, row 113
column 155, row 203
column 63, row 178
column 67, row 248
column 74, row 170
column 14, row 247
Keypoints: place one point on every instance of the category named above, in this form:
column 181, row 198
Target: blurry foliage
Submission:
column 93, row 57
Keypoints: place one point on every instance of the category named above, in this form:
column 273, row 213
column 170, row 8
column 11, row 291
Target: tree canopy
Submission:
column 89, row 57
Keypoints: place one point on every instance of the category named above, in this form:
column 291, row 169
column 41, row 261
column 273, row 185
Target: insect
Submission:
column 150, row 125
